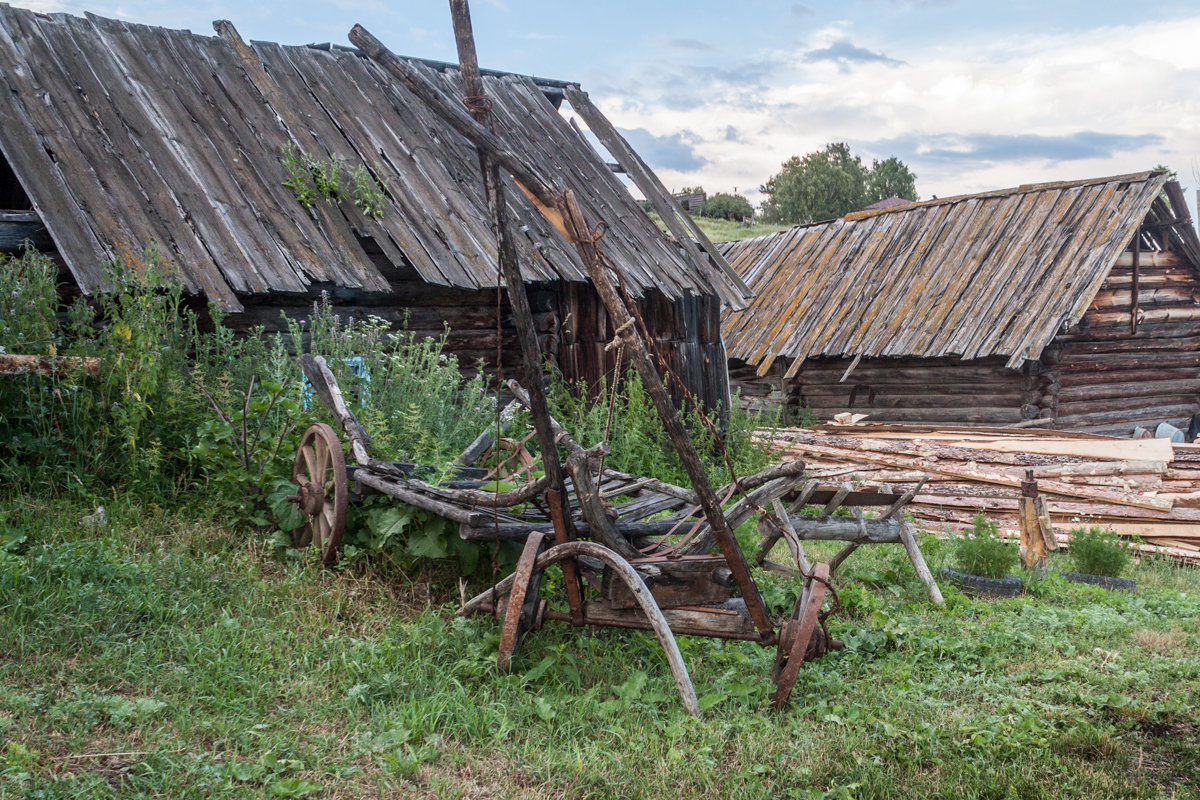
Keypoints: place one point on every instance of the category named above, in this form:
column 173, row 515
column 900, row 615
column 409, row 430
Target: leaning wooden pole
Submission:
column 531, row 354
column 562, row 210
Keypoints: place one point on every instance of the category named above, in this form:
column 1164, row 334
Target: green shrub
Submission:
column 1098, row 552
column 727, row 206
column 981, row 552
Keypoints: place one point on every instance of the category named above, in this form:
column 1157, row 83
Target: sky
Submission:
column 970, row 95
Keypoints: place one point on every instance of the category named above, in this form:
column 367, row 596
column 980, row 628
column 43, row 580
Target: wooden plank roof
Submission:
column 997, row 273
column 128, row 135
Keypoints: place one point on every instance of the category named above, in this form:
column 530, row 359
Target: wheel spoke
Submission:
column 322, row 450
column 310, row 460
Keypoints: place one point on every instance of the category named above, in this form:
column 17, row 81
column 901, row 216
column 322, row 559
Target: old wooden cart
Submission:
column 649, row 565
column 634, row 552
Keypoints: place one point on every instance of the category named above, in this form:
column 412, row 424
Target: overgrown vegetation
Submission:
column 179, row 413
column 982, row 552
column 1097, row 551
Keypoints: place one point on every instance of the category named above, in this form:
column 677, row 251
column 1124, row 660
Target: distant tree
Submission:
column 890, row 178
column 830, row 183
column 691, row 190
column 723, row 205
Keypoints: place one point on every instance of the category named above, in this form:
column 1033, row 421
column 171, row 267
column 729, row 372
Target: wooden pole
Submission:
column 455, row 116
column 531, row 354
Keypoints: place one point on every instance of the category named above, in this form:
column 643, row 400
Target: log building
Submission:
column 1071, row 305
column 123, row 136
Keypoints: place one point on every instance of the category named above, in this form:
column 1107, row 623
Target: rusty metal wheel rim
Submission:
column 517, row 609
column 320, row 471
column 797, row 635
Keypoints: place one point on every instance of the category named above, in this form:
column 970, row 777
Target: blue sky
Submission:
column 971, row 95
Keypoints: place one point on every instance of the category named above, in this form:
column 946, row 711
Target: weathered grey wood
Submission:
column 792, row 537
column 401, row 492
column 49, row 189
column 682, row 621
column 735, row 291
column 683, row 582
column 486, row 439
column 870, row 531
column 454, row 115
column 325, row 385
column 908, row 535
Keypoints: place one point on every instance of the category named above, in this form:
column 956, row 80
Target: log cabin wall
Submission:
column 572, row 325
column 916, row 390
column 686, row 332
column 1110, row 378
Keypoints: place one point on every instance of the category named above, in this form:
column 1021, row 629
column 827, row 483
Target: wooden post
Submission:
column 1133, row 293
column 531, row 354
column 1033, row 543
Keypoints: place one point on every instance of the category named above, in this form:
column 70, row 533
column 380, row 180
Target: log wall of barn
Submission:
column 917, row 390
column 686, row 332
column 571, row 323
column 1110, row 379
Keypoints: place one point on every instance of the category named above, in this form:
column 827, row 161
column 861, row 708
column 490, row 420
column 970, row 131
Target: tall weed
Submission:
column 638, row 441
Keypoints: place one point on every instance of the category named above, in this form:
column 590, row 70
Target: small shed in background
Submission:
column 1073, row 305
column 122, row 136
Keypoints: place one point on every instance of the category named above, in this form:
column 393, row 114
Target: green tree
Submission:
column 890, row 178
column 831, row 183
column 723, row 205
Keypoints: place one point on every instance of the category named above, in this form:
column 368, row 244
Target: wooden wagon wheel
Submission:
column 320, row 471
column 796, row 638
column 523, row 609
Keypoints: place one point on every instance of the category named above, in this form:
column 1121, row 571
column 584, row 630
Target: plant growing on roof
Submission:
column 311, row 178
column 326, row 175
column 369, row 193
column 299, row 179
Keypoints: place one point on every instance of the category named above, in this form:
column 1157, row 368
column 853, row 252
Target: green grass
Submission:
column 164, row 656
column 726, row 230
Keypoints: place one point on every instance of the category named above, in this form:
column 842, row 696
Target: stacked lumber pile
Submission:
column 1145, row 488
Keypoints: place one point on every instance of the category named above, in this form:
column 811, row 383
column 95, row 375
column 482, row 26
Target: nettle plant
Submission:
column 981, row 552
column 1098, row 552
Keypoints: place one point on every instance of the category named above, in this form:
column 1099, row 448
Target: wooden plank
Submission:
column 730, row 286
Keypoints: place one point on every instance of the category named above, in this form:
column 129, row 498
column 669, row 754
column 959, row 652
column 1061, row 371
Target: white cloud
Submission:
column 1018, row 110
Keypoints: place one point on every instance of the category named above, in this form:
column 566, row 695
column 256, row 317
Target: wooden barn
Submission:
column 123, row 136
column 1069, row 305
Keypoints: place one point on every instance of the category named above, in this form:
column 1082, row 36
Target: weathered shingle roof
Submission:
column 997, row 273
column 125, row 135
